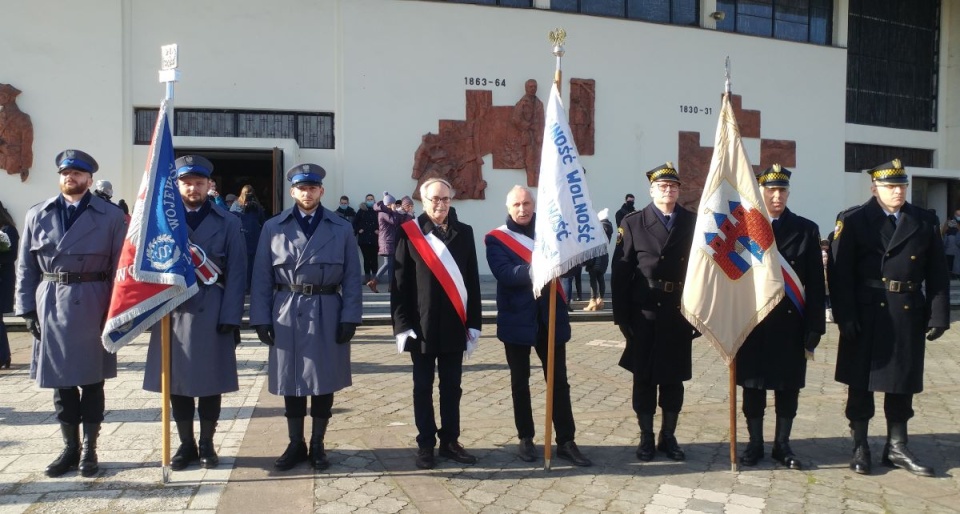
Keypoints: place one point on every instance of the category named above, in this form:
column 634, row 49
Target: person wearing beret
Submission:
column 68, row 255
column 890, row 295
column 205, row 328
column 305, row 303
column 435, row 304
column 649, row 267
column 773, row 357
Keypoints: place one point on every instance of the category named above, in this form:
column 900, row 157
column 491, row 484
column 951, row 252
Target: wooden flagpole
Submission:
column 169, row 75
column 556, row 37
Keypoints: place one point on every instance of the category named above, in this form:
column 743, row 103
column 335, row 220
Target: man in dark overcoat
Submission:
column 435, row 299
column 203, row 357
column 522, row 324
column 888, row 286
column 648, row 273
column 773, row 357
column 305, row 304
column 68, row 255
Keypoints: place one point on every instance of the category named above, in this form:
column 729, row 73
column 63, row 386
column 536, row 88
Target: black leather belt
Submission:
column 664, row 285
column 894, row 286
column 308, row 289
column 65, row 277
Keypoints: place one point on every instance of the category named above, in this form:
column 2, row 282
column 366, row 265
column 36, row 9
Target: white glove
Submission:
column 473, row 341
column 402, row 339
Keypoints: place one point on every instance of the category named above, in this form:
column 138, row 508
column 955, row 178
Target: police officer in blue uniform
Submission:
column 773, row 357
column 889, row 286
column 305, row 303
column 204, row 360
column 68, row 255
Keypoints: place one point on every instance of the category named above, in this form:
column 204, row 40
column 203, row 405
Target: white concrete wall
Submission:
column 390, row 69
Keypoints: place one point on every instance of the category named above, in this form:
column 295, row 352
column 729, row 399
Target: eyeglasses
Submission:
column 439, row 199
column 668, row 187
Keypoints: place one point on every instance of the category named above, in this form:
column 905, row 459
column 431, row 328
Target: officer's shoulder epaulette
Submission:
column 848, row 211
column 630, row 215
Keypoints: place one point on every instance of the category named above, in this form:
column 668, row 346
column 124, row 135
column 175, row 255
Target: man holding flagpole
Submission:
column 204, row 362
column 649, row 270
column 305, row 304
column 773, row 357
column 435, row 299
column 888, row 286
column 68, row 254
column 522, row 324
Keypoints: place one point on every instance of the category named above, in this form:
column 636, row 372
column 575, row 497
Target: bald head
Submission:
column 520, row 205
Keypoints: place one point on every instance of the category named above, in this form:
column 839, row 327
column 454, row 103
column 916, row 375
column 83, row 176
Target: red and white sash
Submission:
column 437, row 257
column 207, row 272
column 520, row 245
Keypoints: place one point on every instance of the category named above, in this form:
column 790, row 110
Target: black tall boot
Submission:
column 208, row 455
column 187, row 452
column 296, row 451
column 896, row 453
column 70, row 456
column 860, row 463
column 89, row 465
column 318, row 457
column 754, row 451
column 781, row 444
column 645, row 450
column 666, row 441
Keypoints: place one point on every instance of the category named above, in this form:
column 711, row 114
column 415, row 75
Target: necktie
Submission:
column 308, row 219
column 666, row 218
column 775, row 224
column 440, row 231
column 893, row 219
column 193, row 219
column 71, row 212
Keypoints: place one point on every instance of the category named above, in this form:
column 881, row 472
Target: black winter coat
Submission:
column 887, row 351
column 660, row 351
column 772, row 357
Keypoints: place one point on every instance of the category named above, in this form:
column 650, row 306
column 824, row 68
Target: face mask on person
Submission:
column 343, row 206
column 369, row 203
column 629, row 203
column 957, row 218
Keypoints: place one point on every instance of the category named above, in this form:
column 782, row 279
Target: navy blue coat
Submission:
column 8, row 273
column 519, row 316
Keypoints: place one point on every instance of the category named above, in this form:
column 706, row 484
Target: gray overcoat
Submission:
column 71, row 315
column 203, row 361
column 306, row 359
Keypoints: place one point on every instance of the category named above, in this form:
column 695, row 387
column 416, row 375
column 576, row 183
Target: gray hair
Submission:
column 516, row 189
column 430, row 181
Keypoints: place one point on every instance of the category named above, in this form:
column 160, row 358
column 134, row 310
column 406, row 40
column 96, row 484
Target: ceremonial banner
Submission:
column 156, row 272
column 734, row 276
column 568, row 231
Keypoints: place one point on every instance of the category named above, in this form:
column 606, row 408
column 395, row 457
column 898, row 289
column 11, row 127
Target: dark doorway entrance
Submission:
column 234, row 169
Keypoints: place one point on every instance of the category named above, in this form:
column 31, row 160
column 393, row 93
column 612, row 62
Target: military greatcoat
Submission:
column 888, row 351
column 772, row 357
column 204, row 361
column 660, row 351
column 71, row 316
column 305, row 359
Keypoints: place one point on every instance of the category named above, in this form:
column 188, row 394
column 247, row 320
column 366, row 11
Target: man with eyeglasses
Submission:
column 889, row 286
column 648, row 274
column 435, row 302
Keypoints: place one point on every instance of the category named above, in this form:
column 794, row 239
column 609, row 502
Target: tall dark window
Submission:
column 309, row 129
column 892, row 59
column 676, row 12
column 861, row 157
column 807, row 21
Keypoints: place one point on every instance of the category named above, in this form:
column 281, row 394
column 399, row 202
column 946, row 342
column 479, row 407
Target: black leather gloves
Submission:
column 33, row 324
column 346, row 332
column 265, row 333
column 849, row 329
column 811, row 341
column 935, row 333
column 225, row 328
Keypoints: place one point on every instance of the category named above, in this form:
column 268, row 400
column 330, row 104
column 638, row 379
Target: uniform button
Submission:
column 883, row 304
column 913, row 257
column 658, row 304
column 682, row 258
column 906, row 307
column 662, row 257
column 789, row 311
column 888, row 254
column 883, row 280
column 793, row 263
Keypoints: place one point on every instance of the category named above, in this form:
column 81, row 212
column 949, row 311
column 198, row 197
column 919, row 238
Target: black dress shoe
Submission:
column 667, row 444
column 186, row 453
column 646, row 449
column 425, row 458
column 898, row 455
column 568, row 451
column 860, row 463
column 5, row 364
column 455, row 451
column 784, row 455
column 526, row 450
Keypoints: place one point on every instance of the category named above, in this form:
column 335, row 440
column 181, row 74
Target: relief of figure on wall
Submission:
column 16, row 135
column 513, row 135
column 528, row 118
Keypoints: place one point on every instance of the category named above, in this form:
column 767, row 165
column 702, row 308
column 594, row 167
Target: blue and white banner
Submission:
column 568, row 231
column 156, row 272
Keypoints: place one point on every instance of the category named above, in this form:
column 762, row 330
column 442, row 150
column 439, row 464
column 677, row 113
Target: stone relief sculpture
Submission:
column 16, row 135
column 513, row 135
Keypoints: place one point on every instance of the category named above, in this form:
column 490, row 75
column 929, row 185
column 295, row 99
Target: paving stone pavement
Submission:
column 371, row 443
